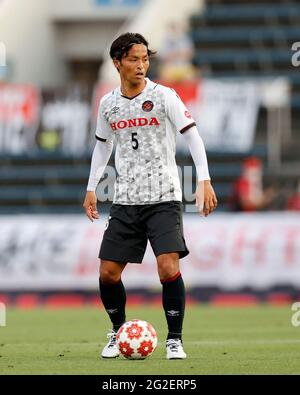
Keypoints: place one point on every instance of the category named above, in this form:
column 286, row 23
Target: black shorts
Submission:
column 130, row 227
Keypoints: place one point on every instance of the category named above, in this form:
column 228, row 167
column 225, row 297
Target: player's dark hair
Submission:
column 123, row 43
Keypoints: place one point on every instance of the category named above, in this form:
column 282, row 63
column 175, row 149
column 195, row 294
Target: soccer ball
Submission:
column 136, row 339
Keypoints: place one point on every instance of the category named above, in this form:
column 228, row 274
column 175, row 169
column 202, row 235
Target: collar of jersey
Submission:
column 148, row 84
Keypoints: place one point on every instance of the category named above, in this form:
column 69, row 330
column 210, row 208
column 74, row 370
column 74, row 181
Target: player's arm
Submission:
column 206, row 200
column 176, row 111
column 100, row 158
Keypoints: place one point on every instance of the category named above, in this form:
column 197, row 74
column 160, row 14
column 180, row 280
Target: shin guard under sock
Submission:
column 113, row 297
column 173, row 297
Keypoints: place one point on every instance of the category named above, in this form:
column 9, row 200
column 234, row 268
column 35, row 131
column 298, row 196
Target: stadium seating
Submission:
column 42, row 183
column 242, row 38
column 56, row 183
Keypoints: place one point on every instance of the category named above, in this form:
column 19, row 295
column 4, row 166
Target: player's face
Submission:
column 133, row 67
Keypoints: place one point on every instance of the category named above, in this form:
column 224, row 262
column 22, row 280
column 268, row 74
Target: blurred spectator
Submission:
column 49, row 140
column 248, row 193
column 293, row 202
column 176, row 56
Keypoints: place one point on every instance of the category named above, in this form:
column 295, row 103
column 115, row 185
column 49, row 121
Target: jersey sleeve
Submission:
column 103, row 129
column 177, row 112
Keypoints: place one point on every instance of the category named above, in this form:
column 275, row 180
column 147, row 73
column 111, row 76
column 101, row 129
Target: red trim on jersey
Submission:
column 187, row 127
column 168, row 280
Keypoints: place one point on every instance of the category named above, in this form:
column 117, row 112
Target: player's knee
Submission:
column 109, row 277
column 168, row 266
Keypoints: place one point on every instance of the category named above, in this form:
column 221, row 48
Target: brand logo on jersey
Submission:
column 136, row 122
column 147, row 105
column 114, row 110
column 188, row 115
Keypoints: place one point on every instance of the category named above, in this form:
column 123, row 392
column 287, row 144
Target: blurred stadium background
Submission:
column 245, row 95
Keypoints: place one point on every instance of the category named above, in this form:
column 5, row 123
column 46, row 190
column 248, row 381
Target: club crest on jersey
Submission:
column 136, row 122
column 147, row 105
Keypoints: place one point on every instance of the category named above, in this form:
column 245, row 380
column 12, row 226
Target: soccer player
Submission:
column 143, row 118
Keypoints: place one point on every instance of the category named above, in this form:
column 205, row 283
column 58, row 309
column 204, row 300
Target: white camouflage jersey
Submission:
column 144, row 129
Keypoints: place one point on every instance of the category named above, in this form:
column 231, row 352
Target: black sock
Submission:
column 173, row 297
column 113, row 297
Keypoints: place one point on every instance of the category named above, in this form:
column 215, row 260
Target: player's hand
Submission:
column 90, row 205
column 206, row 200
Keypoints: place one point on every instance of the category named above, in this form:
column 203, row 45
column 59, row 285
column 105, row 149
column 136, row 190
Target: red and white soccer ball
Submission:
column 136, row 339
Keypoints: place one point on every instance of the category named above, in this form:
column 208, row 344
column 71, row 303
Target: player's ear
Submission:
column 116, row 63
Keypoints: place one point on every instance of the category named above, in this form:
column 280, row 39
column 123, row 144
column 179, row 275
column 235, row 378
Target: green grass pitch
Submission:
column 249, row 340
